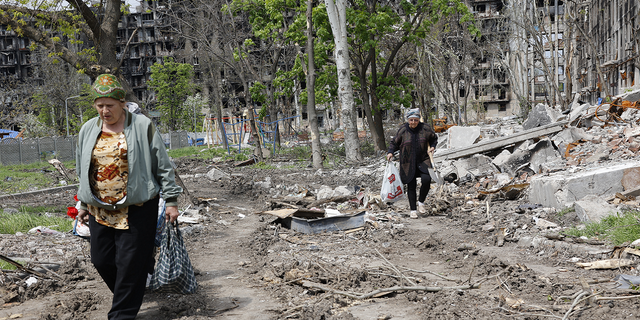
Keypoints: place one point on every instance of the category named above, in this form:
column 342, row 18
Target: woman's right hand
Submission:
column 389, row 156
column 83, row 216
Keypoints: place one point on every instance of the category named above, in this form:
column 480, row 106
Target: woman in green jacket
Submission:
column 122, row 166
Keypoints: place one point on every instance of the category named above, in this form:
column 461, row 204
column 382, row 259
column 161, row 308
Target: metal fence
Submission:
column 24, row 151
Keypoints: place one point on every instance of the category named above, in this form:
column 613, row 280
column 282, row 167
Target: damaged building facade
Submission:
column 588, row 48
column 611, row 45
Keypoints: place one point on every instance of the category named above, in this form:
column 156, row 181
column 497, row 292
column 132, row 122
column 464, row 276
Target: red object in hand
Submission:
column 72, row 212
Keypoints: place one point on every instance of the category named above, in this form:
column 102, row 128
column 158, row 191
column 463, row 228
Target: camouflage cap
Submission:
column 107, row 86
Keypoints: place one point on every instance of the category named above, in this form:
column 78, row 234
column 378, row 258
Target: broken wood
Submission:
column 606, row 264
column 60, row 167
column 23, row 268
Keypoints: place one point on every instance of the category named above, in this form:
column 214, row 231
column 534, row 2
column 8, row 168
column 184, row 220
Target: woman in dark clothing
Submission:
column 416, row 141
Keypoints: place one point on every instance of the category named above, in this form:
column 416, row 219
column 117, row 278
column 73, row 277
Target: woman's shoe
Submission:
column 413, row 214
column 421, row 208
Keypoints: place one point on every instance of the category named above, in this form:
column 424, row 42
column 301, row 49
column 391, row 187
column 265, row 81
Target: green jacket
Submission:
column 150, row 168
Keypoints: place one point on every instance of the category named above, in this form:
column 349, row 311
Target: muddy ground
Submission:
column 463, row 260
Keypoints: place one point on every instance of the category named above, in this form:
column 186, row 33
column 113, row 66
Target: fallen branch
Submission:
column 616, row 298
column 430, row 272
column 394, row 267
column 525, row 314
column 23, row 268
column 573, row 305
column 313, row 285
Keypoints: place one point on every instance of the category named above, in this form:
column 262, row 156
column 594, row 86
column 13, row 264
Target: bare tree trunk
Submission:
column 336, row 12
column 311, row 92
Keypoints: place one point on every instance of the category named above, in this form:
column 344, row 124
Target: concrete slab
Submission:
column 569, row 135
column 460, row 137
column 491, row 144
column 541, row 153
column 478, row 165
column 593, row 209
column 562, row 189
column 538, row 117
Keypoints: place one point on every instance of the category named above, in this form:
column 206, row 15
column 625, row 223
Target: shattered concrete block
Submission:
column 561, row 189
column 578, row 111
column 569, row 135
column 324, row 193
column 215, row 174
column 501, row 158
column 631, row 96
column 631, row 179
column 535, row 242
column 545, row 224
column 460, row 137
column 629, row 114
column 478, row 166
column 515, row 161
column 601, row 154
column 343, row 191
column 542, row 153
column 537, row 117
column 593, row 209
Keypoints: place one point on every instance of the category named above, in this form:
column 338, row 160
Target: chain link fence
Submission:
column 24, row 151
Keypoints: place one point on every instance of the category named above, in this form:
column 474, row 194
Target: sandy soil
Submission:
column 460, row 261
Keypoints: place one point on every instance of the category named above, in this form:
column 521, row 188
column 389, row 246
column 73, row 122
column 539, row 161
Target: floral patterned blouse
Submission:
column 108, row 177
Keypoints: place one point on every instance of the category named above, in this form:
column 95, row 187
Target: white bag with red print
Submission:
column 392, row 188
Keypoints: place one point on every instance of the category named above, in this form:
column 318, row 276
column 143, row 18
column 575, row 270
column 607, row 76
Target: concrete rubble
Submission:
column 592, row 156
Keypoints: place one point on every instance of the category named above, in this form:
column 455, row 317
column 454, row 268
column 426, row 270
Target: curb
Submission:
column 39, row 192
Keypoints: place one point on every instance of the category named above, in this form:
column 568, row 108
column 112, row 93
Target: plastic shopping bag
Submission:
column 173, row 272
column 160, row 226
column 392, row 188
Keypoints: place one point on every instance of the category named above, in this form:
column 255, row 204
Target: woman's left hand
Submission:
column 172, row 214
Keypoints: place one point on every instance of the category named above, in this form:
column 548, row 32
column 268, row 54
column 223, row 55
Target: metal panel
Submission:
column 337, row 223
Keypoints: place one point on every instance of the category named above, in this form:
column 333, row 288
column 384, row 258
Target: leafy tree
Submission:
column 384, row 44
column 58, row 26
column 194, row 104
column 172, row 83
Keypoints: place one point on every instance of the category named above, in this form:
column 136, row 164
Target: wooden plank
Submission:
column 491, row 144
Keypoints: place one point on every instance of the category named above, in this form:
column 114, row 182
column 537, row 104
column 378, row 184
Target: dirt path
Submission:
column 249, row 267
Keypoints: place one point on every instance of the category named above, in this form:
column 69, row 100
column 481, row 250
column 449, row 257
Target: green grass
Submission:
column 263, row 165
column 7, row 266
column 616, row 228
column 28, row 219
column 565, row 211
column 297, row 152
column 21, row 177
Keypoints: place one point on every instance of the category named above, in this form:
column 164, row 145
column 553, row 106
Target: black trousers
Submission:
column 425, row 178
column 122, row 258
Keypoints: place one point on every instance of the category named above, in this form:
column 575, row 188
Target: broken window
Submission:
column 502, row 107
